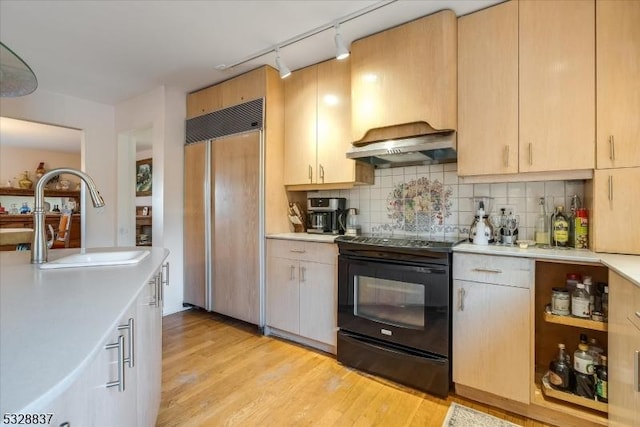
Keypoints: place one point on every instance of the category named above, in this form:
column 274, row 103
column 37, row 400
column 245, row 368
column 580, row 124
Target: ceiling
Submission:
column 111, row 51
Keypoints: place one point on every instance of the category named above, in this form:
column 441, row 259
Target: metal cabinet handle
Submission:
column 165, row 273
column 131, row 331
column 610, row 188
column 298, row 251
column 506, row 156
column 120, row 346
column 461, row 293
column 530, row 154
column 302, row 271
column 612, row 148
column 636, row 371
column 291, row 275
column 310, row 174
column 160, row 291
column 321, row 173
column 488, row 270
column 638, row 314
column 154, row 301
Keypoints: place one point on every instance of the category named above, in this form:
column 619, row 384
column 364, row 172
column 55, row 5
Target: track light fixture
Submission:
column 341, row 48
column 282, row 67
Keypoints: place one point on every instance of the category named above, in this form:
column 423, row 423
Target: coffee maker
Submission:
column 325, row 215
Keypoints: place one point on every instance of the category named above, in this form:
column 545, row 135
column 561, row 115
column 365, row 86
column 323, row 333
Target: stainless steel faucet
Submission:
column 39, row 253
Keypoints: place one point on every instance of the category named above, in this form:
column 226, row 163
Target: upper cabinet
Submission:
column 240, row 89
column 526, row 88
column 557, row 80
column 406, row 75
column 317, row 112
column 488, row 91
column 618, row 88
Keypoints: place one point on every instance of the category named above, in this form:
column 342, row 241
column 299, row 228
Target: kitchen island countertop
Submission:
column 627, row 266
column 53, row 321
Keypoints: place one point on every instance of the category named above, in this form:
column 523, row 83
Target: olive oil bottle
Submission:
column 560, row 229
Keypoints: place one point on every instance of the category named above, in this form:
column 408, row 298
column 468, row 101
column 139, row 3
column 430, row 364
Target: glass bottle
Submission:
column 584, row 369
column 560, row 370
column 542, row 225
column 602, row 381
column 560, row 229
column 605, row 303
column 595, row 351
column 580, row 302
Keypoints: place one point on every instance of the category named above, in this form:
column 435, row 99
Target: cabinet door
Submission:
column 195, row 218
column 334, row 122
column 111, row 406
column 318, row 301
column 247, row 87
column 618, row 91
column 204, row 101
column 491, row 339
column 557, row 77
column 235, row 182
column 616, row 205
column 406, row 74
column 488, row 91
column 149, row 352
column 283, row 294
column 300, row 93
column 624, row 342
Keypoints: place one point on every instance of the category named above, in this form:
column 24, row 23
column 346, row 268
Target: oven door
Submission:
column 407, row 305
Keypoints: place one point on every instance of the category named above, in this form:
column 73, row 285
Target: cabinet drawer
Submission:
column 508, row 271
column 323, row 253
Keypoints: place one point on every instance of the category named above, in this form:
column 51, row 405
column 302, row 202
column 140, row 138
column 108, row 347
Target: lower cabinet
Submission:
column 492, row 324
column 121, row 385
column 302, row 292
column 624, row 352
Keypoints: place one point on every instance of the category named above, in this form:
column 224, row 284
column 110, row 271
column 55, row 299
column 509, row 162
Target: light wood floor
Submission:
column 222, row 372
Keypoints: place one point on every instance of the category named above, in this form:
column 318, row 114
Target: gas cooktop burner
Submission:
column 396, row 242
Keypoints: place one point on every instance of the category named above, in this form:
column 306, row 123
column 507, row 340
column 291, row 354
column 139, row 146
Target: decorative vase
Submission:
column 40, row 171
column 25, row 183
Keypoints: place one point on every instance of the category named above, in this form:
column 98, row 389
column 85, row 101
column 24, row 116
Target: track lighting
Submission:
column 282, row 67
column 341, row 49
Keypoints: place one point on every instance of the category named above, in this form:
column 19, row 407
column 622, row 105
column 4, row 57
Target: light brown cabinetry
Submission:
column 618, row 91
column 557, row 77
column 237, row 90
column 492, row 320
column 488, row 91
column 302, row 292
column 26, row 221
column 624, row 352
column 317, row 129
column 527, row 68
column 406, row 75
column 616, row 203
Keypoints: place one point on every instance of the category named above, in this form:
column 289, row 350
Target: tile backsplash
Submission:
column 430, row 201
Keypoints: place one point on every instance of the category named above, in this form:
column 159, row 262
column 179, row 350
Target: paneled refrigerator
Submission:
column 223, row 217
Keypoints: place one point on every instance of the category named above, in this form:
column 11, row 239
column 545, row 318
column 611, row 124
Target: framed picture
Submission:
column 143, row 177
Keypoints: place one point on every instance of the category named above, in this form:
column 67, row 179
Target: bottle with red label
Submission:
column 581, row 227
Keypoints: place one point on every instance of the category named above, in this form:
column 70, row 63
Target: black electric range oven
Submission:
column 394, row 316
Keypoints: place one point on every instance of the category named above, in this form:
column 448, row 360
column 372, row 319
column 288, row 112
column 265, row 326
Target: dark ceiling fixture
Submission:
column 16, row 78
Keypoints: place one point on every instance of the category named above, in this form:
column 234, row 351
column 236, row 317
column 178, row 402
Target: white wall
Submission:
column 98, row 150
column 16, row 160
column 164, row 111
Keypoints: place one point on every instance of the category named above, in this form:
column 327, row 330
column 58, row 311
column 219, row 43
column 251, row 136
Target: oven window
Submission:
column 389, row 301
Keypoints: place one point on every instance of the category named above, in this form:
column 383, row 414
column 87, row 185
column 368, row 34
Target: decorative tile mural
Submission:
column 419, row 205
column 431, row 201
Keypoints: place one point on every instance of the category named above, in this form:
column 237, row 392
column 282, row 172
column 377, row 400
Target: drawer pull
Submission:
column 638, row 314
column 488, row 270
column 461, row 293
column 298, row 251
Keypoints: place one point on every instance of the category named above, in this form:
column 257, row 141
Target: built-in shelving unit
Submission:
column 576, row 322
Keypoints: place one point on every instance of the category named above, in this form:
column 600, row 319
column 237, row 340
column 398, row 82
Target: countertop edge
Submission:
column 306, row 237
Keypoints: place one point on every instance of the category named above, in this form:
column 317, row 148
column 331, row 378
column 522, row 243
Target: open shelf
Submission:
column 549, row 391
column 7, row 191
column 575, row 321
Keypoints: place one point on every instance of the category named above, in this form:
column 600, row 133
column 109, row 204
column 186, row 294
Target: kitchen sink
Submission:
column 97, row 259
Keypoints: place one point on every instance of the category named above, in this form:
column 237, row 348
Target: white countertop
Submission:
column 627, row 266
column 307, row 237
column 53, row 321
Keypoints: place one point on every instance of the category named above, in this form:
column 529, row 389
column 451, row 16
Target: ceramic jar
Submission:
column 24, row 182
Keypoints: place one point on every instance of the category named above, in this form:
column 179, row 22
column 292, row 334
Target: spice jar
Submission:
column 560, row 301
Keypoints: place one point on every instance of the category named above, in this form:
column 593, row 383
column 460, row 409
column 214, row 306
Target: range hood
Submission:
column 424, row 149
